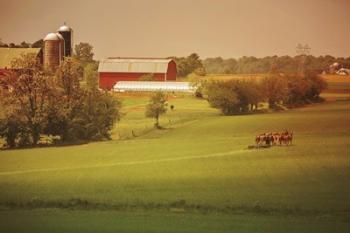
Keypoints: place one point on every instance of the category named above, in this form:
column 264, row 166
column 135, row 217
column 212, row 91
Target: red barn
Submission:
column 112, row 70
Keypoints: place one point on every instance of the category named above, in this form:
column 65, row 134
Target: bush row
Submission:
column 242, row 96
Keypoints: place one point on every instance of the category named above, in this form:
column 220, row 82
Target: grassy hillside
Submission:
column 192, row 161
column 194, row 176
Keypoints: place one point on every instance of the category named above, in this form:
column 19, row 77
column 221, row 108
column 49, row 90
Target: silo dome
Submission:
column 67, row 33
column 52, row 36
column 64, row 28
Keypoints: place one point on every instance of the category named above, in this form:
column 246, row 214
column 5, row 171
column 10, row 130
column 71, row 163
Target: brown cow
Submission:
column 286, row 138
column 259, row 139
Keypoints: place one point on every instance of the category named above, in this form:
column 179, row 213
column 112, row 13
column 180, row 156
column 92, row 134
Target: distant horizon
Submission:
column 202, row 58
column 164, row 28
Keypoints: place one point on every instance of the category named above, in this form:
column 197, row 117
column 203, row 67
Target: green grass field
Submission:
column 197, row 175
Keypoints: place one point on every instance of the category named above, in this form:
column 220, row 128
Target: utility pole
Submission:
column 302, row 51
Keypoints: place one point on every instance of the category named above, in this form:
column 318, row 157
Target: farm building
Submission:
column 8, row 54
column 149, row 86
column 113, row 70
column 343, row 71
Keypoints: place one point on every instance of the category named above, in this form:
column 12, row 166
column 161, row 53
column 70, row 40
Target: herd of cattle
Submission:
column 269, row 139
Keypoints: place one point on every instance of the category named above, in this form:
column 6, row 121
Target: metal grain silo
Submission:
column 53, row 50
column 62, row 45
column 67, row 34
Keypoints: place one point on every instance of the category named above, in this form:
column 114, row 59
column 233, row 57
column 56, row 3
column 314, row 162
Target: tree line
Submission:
column 244, row 65
column 242, row 96
column 285, row 64
column 23, row 44
column 253, row 65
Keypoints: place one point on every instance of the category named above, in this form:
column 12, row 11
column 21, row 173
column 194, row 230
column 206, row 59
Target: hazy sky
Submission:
column 160, row 28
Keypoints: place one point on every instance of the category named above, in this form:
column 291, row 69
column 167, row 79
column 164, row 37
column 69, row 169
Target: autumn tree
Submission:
column 275, row 89
column 304, row 89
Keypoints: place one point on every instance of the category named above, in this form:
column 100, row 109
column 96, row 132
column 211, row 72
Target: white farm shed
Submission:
column 149, row 86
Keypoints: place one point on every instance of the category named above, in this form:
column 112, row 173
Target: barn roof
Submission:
column 8, row 54
column 134, row 65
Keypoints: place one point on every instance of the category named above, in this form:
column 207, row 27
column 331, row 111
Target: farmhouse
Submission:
column 113, row 70
column 7, row 55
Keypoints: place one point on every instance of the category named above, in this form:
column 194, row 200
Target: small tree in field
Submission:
column 156, row 107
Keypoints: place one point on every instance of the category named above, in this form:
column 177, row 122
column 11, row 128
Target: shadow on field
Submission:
column 180, row 206
column 45, row 145
column 252, row 147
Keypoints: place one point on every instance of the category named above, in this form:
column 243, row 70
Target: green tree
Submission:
column 200, row 71
column 65, row 117
column 2, row 44
column 68, row 76
column 222, row 95
column 25, row 44
column 100, row 112
column 194, row 62
column 91, row 76
column 10, row 128
column 81, row 114
column 38, row 44
column 25, row 91
column 83, row 53
column 157, row 107
column 34, row 104
column 317, row 85
column 187, row 65
column 248, row 93
column 198, row 83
